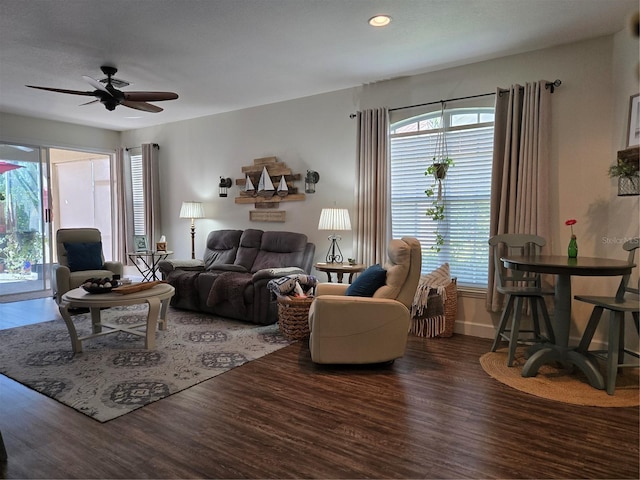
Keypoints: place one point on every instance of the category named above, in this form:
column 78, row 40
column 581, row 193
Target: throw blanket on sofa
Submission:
column 185, row 285
column 229, row 286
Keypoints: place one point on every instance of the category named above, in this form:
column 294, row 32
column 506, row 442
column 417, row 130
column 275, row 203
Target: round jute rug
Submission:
column 561, row 385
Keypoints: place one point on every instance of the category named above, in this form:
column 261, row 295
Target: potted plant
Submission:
column 436, row 211
column 626, row 171
column 440, row 164
column 438, row 169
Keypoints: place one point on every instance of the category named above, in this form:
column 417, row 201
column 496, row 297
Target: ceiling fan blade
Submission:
column 60, row 90
column 144, row 106
column 149, row 96
column 96, row 84
column 89, row 103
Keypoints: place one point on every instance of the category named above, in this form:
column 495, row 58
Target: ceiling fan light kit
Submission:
column 111, row 97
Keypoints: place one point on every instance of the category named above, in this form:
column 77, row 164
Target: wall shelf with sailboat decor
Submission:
column 266, row 184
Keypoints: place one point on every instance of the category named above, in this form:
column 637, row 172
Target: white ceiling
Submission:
column 224, row 55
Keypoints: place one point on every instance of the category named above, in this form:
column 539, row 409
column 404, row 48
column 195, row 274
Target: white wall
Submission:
column 310, row 133
column 34, row 131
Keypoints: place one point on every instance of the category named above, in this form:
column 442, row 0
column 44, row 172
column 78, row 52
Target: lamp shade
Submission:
column 191, row 210
column 334, row 219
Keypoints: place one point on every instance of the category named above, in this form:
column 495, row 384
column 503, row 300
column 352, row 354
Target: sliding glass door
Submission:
column 24, row 220
column 82, row 193
column 42, row 190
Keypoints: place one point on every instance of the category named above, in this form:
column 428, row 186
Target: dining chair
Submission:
column 517, row 287
column 626, row 300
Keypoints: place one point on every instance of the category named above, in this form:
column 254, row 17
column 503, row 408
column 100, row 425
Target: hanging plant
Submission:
column 438, row 169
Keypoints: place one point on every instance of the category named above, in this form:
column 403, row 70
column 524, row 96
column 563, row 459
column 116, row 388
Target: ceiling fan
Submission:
column 111, row 97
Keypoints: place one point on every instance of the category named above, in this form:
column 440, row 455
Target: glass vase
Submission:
column 573, row 247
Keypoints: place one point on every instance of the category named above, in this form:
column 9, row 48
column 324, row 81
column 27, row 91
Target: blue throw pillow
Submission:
column 366, row 284
column 84, row 256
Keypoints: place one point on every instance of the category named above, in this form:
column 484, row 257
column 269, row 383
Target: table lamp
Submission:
column 192, row 210
column 334, row 219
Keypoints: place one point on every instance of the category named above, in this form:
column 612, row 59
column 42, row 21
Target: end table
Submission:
column 150, row 260
column 339, row 269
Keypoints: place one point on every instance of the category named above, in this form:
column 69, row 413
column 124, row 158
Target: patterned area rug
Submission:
column 115, row 375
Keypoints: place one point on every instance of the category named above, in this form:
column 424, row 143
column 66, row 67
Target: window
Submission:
column 137, row 194
column 466, row 190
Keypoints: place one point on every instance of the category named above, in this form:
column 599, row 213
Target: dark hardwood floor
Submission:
column 432, row 414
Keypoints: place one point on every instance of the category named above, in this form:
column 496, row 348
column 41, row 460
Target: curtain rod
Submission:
column 155, row 145
column 549, row 85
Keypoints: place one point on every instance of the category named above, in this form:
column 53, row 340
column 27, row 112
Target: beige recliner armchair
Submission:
column 357, row 330
column 68, row 276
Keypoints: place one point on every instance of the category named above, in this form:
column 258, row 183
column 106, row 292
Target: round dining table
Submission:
column 564, row 268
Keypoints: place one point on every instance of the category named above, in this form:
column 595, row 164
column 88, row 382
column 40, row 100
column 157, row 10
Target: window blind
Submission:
column 466, row 193
column 137, row 194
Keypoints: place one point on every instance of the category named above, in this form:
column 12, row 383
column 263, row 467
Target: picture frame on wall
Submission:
column 140, row 243
column 633, row 136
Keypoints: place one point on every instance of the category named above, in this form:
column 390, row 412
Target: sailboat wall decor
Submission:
column 249, row 187
column 256, row 188
column 283, row 189
column 265, row 185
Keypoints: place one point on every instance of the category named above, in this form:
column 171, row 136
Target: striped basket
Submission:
column 439, row 325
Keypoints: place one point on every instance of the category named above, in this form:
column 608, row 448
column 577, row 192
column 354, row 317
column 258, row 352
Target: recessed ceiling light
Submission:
column 380, row 21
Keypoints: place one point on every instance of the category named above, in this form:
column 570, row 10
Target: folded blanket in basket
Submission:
column 286, row 285
column 428, row 318
column 438, row 280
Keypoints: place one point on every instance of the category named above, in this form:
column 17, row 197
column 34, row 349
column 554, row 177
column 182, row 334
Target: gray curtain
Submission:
column 151, row 187
column 372, row 187
column 123, row 221
column 520, row 174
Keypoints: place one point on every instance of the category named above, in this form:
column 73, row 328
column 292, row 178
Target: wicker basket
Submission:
column 450, row 308
column 293, row 316
column 423, row 326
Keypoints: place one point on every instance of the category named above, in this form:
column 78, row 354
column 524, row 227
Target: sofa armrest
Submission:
column 269, row 273
column 166, row 266
column 350, row 315
column 60, row 279
column 227, row 267
column 331, row 289
column 115, row 267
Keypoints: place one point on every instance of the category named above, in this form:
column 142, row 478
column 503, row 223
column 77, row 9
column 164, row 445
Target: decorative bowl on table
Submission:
column 99, row 285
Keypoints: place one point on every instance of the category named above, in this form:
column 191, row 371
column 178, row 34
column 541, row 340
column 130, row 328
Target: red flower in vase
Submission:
column 571, row 222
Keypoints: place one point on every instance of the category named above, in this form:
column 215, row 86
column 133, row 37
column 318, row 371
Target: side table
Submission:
column 150, row 260
column 339, row 269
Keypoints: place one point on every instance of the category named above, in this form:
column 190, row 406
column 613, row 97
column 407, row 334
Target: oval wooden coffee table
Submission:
column 156, row 297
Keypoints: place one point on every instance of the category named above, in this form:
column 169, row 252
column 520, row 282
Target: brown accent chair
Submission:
column 360, row 330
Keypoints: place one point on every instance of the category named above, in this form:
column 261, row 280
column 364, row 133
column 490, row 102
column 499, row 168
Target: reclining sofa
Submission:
column 231, row 279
